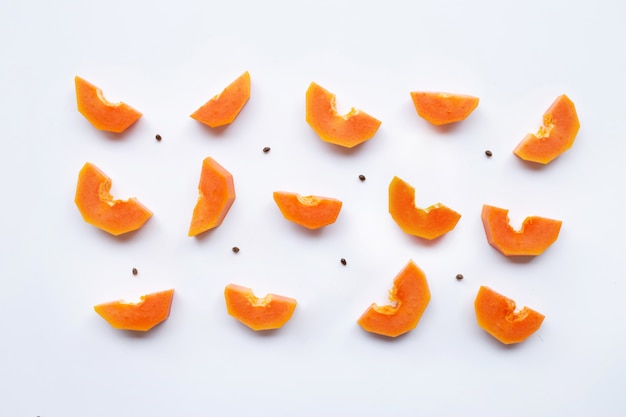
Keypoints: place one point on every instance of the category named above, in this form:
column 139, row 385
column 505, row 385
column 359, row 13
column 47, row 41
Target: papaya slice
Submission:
column 267, row 313
column 443, row 108
column 496, row 314
column 534, row 237
column 347, row 130
column 216, row 194
column 312, row 212
column 427, row 223
column 557, row 135
column 409, row 298
column 98, row 207
column 102, row 114
column 142, row 316
column 224, row 108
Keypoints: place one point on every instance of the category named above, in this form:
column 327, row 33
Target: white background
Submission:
column 58, row 358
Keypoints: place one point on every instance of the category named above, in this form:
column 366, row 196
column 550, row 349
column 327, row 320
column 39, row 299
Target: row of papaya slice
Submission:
column 409, row 297
column 555, row 136
column 217, row 194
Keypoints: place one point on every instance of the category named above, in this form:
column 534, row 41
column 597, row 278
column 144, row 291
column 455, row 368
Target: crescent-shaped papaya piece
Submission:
column 497, row 315
column 102, row 114
column 142, row 316
column 347, row 130
column 312, row 212
column 409, row 298
column 534, row 237
column 224, row 108
column 216, row 194
column 443, row 108
column 428, row 223
column 557, row 135
column 267, row 313
column 100, row 209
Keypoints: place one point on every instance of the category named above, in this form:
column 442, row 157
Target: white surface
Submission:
column 58, row 358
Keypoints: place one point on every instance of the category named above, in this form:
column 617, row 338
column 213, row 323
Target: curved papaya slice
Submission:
column 348, row 130
column 267, row 313
column 535, row 236
column 443, row 108
column 224, row 108
column 429, row 223
column 496, row 314
column 216, row 194
column 557, row 135
column 100, row 209
column 309, row 211
column 102, row 114
column 151, row 310
column 409, row 298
